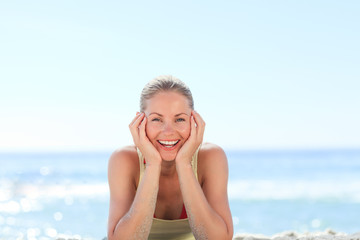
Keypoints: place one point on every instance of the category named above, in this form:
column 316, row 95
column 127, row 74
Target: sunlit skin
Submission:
column 168, row 119
column 168, row 134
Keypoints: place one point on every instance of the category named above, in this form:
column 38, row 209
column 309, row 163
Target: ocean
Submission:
column 44, row 195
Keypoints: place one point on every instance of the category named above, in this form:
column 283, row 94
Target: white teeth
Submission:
column 168, row 142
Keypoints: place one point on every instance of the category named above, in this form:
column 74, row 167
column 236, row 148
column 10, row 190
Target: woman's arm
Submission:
column 207, row 206
column 131, row 211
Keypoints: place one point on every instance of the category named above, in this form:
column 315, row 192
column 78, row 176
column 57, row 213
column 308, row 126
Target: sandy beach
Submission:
column 290, row 235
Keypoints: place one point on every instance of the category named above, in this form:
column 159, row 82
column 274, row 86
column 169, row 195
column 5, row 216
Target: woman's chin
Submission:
column 168, row 156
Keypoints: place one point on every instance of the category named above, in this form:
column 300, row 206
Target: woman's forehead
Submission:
column 168, row 102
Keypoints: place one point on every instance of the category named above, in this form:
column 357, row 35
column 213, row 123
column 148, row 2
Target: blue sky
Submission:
column 264, row 74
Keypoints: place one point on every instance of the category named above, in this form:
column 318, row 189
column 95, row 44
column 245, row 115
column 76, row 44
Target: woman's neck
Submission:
column 168, row 168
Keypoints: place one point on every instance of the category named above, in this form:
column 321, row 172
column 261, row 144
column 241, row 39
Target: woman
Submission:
column 168, row 185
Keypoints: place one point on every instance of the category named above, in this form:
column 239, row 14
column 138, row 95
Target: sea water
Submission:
column 43, row 195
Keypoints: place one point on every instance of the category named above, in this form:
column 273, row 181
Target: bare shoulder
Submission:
column 214, row 177
column 124, row 162
column 123, row 170
column 211, row 150
column 124, row 155
column 211, row 160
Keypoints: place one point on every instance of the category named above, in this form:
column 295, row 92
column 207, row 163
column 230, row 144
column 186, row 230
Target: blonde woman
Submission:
column 168, row 185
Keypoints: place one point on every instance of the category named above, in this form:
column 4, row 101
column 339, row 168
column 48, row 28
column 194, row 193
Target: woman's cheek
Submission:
column 149, row 129
column 185, row 131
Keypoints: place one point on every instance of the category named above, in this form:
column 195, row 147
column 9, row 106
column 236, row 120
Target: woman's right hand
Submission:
column 137, row 129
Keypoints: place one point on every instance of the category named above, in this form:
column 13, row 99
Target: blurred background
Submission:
column 277, row 83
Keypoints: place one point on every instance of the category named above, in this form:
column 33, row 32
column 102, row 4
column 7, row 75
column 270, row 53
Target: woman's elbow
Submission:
column 223, row 235
column 110, row 235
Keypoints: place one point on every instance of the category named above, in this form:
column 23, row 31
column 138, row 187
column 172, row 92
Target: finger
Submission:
column 199, row 120
column 195, row 118
column 193, row 127
column 200, row 124
column 142, row 126
column 136, row 120
column 134, row 129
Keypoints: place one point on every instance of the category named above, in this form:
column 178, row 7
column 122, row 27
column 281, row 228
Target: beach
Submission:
column 292, row 235
column 64, row 195
column 288, row 235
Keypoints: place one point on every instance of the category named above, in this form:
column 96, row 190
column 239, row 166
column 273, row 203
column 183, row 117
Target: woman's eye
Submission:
column 155, row 120
column 180, row 120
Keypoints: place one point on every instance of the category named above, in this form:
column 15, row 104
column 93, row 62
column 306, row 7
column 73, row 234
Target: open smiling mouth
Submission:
column 168, row 144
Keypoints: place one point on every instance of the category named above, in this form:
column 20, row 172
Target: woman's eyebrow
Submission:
column 181, row 114
column 162, row 115
column 156, row 114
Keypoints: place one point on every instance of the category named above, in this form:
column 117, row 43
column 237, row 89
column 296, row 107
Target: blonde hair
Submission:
column 164, row 83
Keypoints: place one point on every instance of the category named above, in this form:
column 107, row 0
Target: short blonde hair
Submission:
column 165, row 83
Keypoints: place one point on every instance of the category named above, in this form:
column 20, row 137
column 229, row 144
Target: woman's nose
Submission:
column 168, row 127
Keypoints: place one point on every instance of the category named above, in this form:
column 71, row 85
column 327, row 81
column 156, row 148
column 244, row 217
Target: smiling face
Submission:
column 168, row 125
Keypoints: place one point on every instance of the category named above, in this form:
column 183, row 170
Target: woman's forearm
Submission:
column 205, row 223
column 136, row 223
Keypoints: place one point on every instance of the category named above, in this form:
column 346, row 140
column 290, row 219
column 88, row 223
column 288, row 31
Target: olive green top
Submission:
column 170, row 229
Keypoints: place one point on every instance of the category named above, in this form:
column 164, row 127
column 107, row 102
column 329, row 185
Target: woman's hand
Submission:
column 193, row 142
column 137, row 129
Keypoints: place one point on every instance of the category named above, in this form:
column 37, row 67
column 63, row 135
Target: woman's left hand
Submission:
column 197, row 128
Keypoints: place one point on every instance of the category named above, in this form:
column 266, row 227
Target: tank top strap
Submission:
column 142, row 164
column 194, row 162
